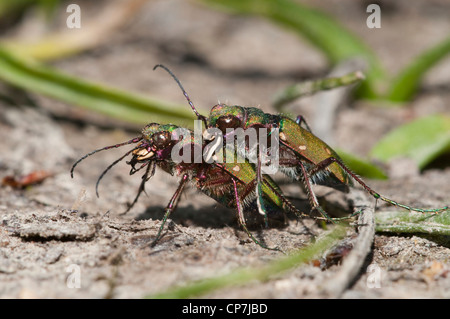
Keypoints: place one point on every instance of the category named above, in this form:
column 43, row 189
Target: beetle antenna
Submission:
column 132, row 141
column 199, row 116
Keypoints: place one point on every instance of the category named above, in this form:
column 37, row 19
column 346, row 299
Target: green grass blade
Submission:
column 321, row 30
column 12, row 7
column 411, row 222
column 298, row 90
column 243, row 276
column 360, row 166
column 126, row 106
column 423, row 140
column 405, row 84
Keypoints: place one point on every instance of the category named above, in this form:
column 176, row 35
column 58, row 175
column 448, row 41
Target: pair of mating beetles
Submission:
column 240, row 183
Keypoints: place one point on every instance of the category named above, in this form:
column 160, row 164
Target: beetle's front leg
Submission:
column 170, row 207
column 148, row 174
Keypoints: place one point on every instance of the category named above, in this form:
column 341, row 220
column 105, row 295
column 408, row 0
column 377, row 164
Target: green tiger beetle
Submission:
column 302, row 155
column 231, row 184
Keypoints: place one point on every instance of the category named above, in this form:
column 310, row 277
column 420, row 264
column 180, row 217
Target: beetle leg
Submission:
column 145, row 178
column 314, row 202
column 330, row 160
column 301, row 119
column 241, row 218
column 312, row 196
column 259, row 199
column 170, row 207
column 289, row 205
column 305, row 178
column 133, row 169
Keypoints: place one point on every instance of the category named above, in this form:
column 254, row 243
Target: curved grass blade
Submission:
column 14, row 7
column 66, row 42
column 423, row 140
column 298, row 90
column 411, row 222
column 321, row 30
column 38, row 78
column 243, row 276
column 405, row 84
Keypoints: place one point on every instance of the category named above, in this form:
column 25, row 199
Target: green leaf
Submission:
column 245, row 275
column 360, row 166
column 422, row 140
column 404, row 86
column 320, row 29
column 412, row 222
column 126, row 106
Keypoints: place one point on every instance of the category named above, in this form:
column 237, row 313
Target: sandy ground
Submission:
column 51, row 232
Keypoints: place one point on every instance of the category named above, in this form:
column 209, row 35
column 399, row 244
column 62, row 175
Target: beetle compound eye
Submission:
column 228, row 121
column 161, row 140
